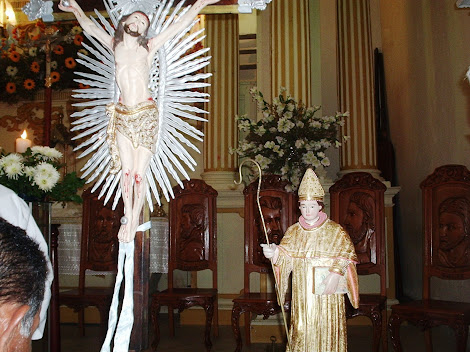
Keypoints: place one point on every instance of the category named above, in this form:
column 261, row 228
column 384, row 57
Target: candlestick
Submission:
column 23, row 143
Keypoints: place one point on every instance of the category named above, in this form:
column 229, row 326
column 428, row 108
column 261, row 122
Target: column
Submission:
column 221, row 130
column 356, row 95
column 356, row 86
column 290, row 60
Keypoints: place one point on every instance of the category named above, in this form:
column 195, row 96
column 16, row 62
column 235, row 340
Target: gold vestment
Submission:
column 138, row 123
column 318, row 322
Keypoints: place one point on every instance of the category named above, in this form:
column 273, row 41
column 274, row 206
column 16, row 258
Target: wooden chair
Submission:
column 98, row 252
column 193, row 247
column 446, row 217
column 357, row 203
column 280, row 211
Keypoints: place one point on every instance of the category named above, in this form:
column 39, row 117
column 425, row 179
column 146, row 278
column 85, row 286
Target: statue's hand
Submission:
column 331, row 283
column 67, row 5
column 270, row 251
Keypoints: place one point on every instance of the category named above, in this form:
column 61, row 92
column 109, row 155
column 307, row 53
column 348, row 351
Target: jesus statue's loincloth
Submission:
column 137, row 123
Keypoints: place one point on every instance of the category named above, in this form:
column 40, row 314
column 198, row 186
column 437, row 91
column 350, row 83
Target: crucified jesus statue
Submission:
column 133, row 120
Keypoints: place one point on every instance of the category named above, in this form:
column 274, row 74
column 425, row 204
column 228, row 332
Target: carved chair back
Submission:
column 280, row 210
column 357, row 203
column 446, row 255
column 193, row 229
column 99, row 243
column 446, row 223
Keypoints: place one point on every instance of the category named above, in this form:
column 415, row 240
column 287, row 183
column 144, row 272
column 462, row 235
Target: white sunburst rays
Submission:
column 174, row 83
column 92, row 120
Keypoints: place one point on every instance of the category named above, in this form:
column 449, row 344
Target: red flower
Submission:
column 78, row 39
column 14, row 56
column 59, row 50
column 55, row 76
column 11, row 87
column 70, row 62
column 35, row 67
column 29, row 84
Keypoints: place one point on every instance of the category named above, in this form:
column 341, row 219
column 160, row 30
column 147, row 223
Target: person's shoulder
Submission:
column 6, row 192
column 9, row 197
column 13, row 209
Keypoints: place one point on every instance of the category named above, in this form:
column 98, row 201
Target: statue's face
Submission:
column 354, row 222
column 451, row 231
column 309, row 209
column 136, row 24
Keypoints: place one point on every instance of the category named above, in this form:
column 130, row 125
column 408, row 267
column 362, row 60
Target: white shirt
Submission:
column 14, row 210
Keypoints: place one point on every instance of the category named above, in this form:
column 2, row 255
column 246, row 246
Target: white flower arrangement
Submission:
column 289, row 138
column 34, row 175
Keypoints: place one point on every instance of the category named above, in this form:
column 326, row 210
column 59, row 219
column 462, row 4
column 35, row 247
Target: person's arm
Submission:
column 183, row 22
column 87, row 24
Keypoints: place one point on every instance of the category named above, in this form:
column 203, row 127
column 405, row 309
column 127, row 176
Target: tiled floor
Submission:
column 190, row 339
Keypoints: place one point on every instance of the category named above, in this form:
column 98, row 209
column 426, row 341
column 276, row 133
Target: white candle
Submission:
column 23, row 143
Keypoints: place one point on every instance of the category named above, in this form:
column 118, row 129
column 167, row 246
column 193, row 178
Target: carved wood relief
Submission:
column 31, row 114
column 454, row 232
column 359, row 222
column 272, row 214
column 192, row 229
column 103, row 244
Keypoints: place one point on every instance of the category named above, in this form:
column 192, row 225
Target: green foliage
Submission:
column 34, row 176
column 66, row 189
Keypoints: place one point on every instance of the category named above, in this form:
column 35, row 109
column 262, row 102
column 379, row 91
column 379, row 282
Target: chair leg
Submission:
column 236, row 312
column 376, row 318
column 209, row 308
column 81, row 321
column 171, row 320
column 394, row 330
column 428, row 339
column 155, row 311
column 247, row 328
column 216, row 317
column 104, row 315
column 384, row 332
column 461, row 334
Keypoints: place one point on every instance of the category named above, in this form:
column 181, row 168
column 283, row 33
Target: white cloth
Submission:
column 122, row 334
column 14, row 210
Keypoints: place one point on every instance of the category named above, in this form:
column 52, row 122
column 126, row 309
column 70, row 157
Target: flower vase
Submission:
column 42, row 215
column 41, row 212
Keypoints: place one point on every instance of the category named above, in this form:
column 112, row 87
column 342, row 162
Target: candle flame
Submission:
column 24, row 134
